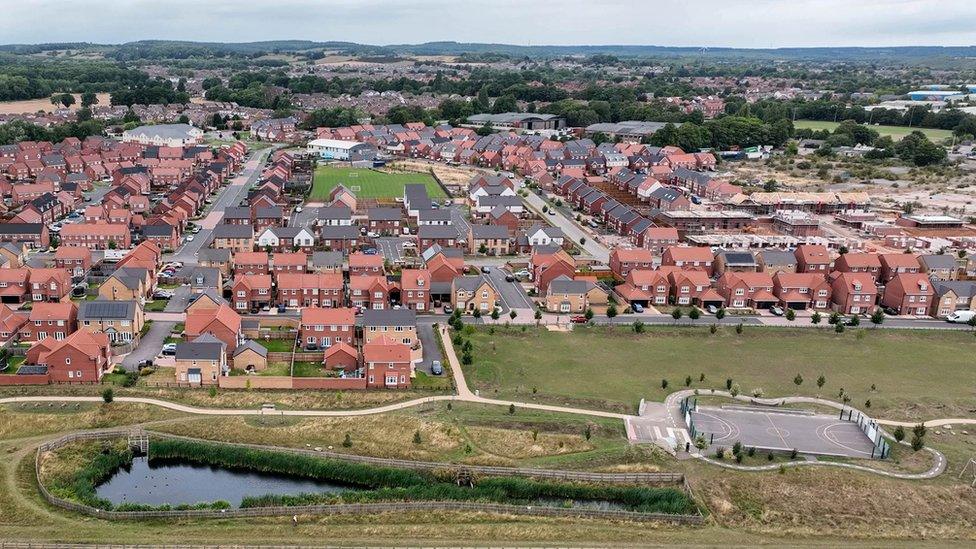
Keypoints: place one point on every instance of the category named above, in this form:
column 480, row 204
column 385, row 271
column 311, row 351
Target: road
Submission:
column 231, row 195
column 570, row 228
column 511, row 294
column 149, row 346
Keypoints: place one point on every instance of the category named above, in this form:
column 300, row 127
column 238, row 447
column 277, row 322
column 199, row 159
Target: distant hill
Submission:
column 148, row 49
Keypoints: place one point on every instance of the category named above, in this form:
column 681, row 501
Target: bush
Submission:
column 346, row 442
column 899, row 433
column 695, row 314
column 108, row 395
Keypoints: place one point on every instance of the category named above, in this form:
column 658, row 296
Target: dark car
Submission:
column 509, row 278
column 312, row 347
column 436, row 368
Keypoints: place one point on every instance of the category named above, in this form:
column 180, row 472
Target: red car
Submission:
column 578, row 319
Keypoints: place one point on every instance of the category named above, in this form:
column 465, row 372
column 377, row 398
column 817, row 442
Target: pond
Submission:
column 176, row 482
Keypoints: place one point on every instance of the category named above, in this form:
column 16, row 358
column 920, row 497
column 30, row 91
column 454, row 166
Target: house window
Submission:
column 67, row 360
column 740, row 291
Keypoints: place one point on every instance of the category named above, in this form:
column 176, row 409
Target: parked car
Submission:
column 370, row 251
column 189, row 238
column 436, row 368
column 409, row 244
column 298, row 209
column 961, row 317
column 311, row 347
column 509, row 278
column 169, row 349
column 638, row 308
column 372, row 234
column 448, row 309
column 712, row 309
column 266, row 308
column 890, row 311
column 282, row 308
column 776, row 310
column 524, row 273
column 163, row 294
column 578, row 319
column 485, row 269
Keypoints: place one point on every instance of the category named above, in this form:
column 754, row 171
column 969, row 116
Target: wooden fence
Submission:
column 342, row 508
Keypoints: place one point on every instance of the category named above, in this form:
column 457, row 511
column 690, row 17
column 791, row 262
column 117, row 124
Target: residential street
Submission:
column 569, row 227
column 150, row 345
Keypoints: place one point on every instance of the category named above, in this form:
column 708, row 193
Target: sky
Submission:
column 748, row 24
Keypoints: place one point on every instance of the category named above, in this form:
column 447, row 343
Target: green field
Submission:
column 367, row 183
column 916, row 374
column 895, row 132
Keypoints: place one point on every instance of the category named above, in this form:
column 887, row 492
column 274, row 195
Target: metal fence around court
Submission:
column 870, row 429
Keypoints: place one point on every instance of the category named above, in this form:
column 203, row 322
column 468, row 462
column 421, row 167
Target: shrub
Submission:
column 108, row 395
column 899, row 433
column 346, row 442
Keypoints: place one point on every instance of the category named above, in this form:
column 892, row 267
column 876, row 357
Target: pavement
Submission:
column 782, row 431
column 149, row 346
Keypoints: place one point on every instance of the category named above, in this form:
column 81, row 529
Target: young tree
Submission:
column 416, row 437
column 720, row 314
column 588, row 315
column 877, row 317
column 798, row 380
column 347, row 442
column 511, row 409
column 512, row 314
column 738, row 328
column 790, row 315
column 694, row 314
column 899, row 433
column 108, row 395
column 687, row 381
column 854, row 320
column 538, row 316
column 839, row 328
column 494, row 314
column 676, row 314
column 834, row 318
column 638, row 327
column 821, row 381
column 611, row 311
column 815, row 318
column 728, row 384
column 664, row 384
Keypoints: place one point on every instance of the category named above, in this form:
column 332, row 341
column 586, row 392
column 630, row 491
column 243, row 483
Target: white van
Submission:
column 961, row 317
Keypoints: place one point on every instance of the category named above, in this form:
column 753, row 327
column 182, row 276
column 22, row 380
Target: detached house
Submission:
column 121, row 321
column 742, row 290
column 909, row 294
column 799, row 291
column 221, row 322
column 48, row 284
column 387, row 364
column 644, row 287
column 893, row 265
column 689, row 258
column 81, row 357
column 473, row 293
column 853, row 293
column 566, row 295
column 415, row 289
column 201, row 361
column 812, row 258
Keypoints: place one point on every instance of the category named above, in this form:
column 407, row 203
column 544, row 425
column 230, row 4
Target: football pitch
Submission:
column 366, row 183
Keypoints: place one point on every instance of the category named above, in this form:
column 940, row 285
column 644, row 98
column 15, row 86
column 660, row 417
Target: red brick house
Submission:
column 48, row 284
column 693, row 288
column 251, row 292
column 656, row 239
column 415, row 289
column 893, row 265
column 310, row 290
column 96, row 236
column 853, row 293
column 859, row 263
column 73, row 259
column 812, row 258
column 14, row 285
column 251, row 263
column 799, row 291
column 10, row 323
column 622, row 261
column 324, row 327
column 644, row 287
column 222, row 323
column 369, row 265
column 699, row 258
column 369, row 292
column 387, row 364
column 545, row 267
column 289, row 262
column 909, row 294
column 82, row 357
column 54, row 320
column 742, row 290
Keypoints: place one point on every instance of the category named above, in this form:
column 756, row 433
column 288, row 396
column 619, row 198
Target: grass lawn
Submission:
column 13, row 363
column 277, row 345
column 895, row 132
column 276, row 369
column 156, row 306
column 916, row 374
column 370, row 183
column 308, row 369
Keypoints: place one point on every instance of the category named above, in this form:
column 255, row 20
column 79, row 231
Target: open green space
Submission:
column 895, row 132
column 914, row 374
column 366, row 183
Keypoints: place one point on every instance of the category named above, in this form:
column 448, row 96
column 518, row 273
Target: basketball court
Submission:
column 782, row 430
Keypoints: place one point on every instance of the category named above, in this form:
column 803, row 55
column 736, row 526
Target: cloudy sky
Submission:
column 757, row 23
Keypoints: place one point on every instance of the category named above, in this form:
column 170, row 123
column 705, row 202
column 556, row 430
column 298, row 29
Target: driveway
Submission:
column 511, row 294
column 150, row 345
column 432, row 352
column 179, row 301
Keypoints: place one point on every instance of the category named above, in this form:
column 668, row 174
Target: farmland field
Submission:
column 895, row 132
column 915, row 374
column 366, row 183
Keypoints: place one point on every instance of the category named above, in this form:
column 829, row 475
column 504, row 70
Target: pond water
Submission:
column 178, row 482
